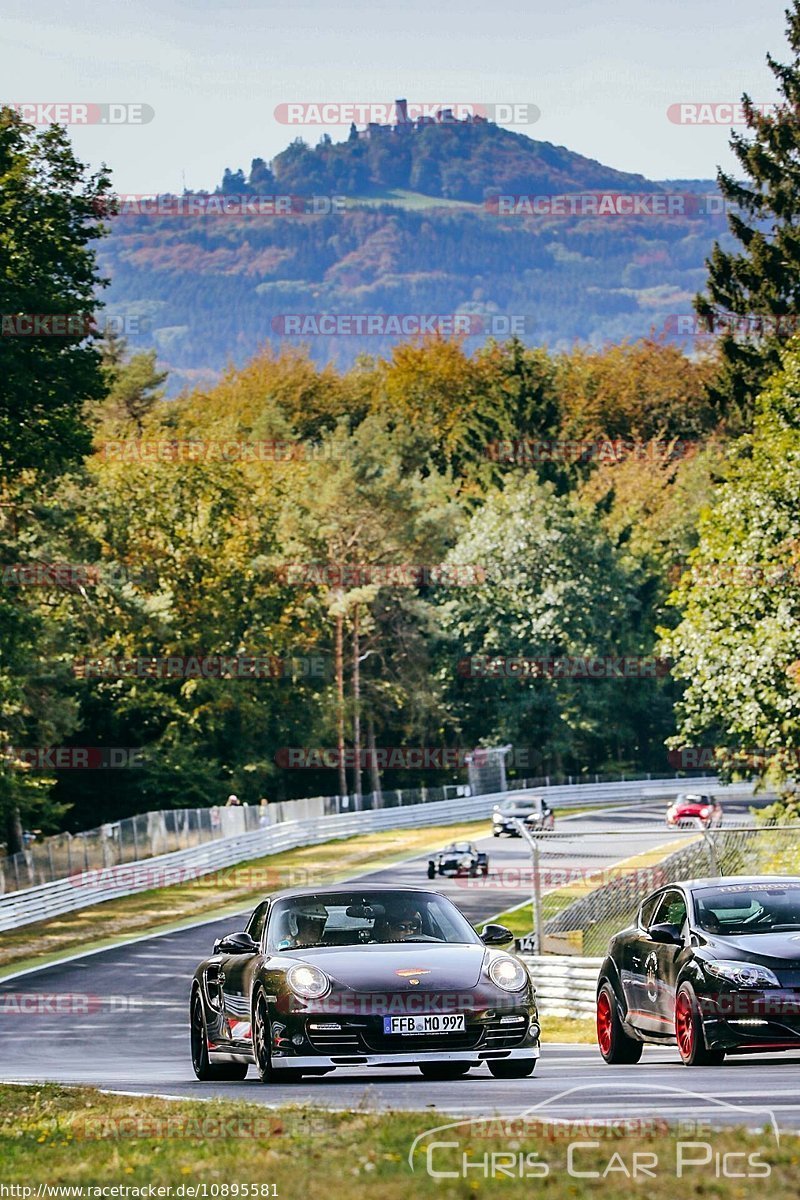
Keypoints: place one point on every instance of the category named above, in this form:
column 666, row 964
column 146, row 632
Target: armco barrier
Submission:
column 565, row 986
column 66, row 895
column 150, row 834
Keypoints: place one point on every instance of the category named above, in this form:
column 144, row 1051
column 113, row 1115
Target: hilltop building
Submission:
column 405, row 124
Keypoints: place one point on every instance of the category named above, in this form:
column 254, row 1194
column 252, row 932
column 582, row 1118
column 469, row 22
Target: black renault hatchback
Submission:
column 712, row 964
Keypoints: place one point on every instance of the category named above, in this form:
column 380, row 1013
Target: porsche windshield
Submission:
column 756, row 909
column 359, row 918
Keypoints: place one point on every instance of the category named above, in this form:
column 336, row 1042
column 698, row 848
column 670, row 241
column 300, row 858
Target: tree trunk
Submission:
column 374, row 772
column 14, row 838
column 356, row 708
column 339, row 667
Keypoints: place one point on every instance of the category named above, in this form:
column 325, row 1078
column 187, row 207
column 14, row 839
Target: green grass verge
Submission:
column 402, row 198
column 579, row 1030
column 224, row 892
column 55, row 1136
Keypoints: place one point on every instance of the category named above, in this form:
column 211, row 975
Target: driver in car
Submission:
column 404, row 923
column 306, row 925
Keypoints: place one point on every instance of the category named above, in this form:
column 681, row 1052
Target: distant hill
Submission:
column 459, row 160
column 420, row 232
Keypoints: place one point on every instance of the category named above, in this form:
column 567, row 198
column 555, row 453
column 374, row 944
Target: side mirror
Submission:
column 668, row 935
column 496, row 935
column 236, row 943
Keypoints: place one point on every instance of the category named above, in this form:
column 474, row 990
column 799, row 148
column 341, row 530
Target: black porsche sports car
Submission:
column 459, row 858
column 713, row 964
column 366, row 976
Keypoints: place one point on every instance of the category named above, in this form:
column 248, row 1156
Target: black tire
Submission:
column 204, row 1069
column 444, row 1070
column 614, row 1043
column 431, row 871
column 495, row 833
column 512, row 1068
column 689, row 1032
column 262, row 1040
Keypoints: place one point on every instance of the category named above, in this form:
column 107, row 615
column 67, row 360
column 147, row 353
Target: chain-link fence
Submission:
column 581, row 906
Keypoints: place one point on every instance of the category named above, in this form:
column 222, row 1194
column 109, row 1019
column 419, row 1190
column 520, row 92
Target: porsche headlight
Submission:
column 507, row 973
column 308, row 982
column 744, row 974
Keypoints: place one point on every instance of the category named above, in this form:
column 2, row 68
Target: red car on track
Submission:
column 691, row 808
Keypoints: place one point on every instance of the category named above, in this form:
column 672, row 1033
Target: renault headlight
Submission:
column 307, row 981
column 507, row 973
column 744, row 974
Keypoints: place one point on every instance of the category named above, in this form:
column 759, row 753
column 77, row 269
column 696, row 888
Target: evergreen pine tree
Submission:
column 753, row 292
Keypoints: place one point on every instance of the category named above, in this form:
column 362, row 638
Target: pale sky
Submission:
column 602, row 72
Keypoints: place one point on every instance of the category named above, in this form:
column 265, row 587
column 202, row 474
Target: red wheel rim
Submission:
column 604, row 1023
column 684, row 1025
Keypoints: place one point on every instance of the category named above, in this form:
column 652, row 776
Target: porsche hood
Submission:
column 380, row 968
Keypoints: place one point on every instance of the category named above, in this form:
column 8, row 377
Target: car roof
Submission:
column 349, row 888
column 696, row 885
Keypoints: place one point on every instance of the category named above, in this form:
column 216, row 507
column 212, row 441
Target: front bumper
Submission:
column 412, row 1059
column 752, row 1020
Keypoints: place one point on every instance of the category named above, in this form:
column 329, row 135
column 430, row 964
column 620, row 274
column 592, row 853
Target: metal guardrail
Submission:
column 566, row 986
column 84, row 888
column 151, row 834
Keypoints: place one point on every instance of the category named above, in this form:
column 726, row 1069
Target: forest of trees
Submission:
column 381, row 534
column 511, row 470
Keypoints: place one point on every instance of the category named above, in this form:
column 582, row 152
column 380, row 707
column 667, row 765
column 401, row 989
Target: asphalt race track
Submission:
column 123, row 1021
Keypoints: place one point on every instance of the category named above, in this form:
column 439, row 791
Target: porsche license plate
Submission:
column 425, row 1023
